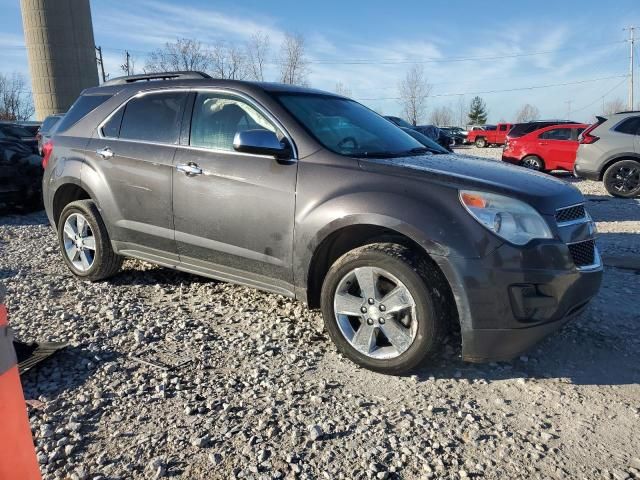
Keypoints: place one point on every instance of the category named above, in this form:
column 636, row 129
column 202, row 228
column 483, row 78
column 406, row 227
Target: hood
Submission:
column 540, row 190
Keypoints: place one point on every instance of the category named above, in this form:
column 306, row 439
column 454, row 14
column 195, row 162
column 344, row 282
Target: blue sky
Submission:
column 583, row 41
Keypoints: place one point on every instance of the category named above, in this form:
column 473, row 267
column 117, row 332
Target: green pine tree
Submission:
column 477, row 112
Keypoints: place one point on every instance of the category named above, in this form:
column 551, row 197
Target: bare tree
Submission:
column 442, row 116
column 229, row 62
column 183, row 54
column 16, row 102
column 613, row 106
column 342, row 89
column 414, row 91
column 257, row 53
column 294, row 66
column 527, row 113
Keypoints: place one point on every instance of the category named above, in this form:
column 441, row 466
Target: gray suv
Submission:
column 609, row 151
column 313, row 196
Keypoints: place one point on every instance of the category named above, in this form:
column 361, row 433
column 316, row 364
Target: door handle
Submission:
column 105, row 152
column 189, row 169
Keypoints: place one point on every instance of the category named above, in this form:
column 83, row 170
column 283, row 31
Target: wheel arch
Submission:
column 64, row 195
column 615, row 159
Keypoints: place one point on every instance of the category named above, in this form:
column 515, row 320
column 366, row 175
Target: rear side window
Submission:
column 82, row 106
column 154, row 117
column 557, row 134
column 630, row 126
column 111, row 129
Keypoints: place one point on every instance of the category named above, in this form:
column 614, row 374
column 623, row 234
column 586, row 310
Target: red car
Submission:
column 545, row 149
column 489, row 135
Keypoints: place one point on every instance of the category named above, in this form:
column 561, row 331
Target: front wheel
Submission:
column 622, row 179
column 84, row 242
column 382, row 307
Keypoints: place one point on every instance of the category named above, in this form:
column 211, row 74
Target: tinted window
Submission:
column 557, row 134
column 630, row 126
column 155, row 117
column 490, row 127
column 503, row 128
column 217, row 118
column 347, row 127
column 111, row 129
column 15, row 131
column 82, row 106
column 400, row 122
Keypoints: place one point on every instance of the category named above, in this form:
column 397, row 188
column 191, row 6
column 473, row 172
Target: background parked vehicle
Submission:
column 550, row 148
column 433, row 146
column 456, row 133
column 21, row 134
column 47, row 129
column 20, row 175
column 390, row 243
column 489, row 135
column 610, row 151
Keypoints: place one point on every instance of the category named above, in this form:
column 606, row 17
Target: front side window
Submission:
column 347, row 127
column 154, row 117
column 218, row 117
column 557, row 134
column 630, row 126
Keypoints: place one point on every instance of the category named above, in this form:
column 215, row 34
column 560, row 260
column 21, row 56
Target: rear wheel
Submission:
column 382, row 308
column 84, row 242
column 622, row 179
column 533, row 162
column 481, row 142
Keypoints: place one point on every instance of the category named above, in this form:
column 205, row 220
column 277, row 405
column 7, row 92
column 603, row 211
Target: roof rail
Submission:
column 627, row 111
column 148, row 77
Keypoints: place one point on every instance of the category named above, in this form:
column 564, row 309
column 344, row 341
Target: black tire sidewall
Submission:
column 425, row 341
column 608, row 174
column 537, row 159
column 85, row 210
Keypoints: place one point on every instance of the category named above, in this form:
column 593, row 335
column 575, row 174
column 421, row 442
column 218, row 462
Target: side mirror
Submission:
column 261, row 142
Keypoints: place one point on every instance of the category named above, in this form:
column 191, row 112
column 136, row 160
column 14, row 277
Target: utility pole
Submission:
column 631, row 62
column 569, row 102
column 126, row 67
column 101, row 63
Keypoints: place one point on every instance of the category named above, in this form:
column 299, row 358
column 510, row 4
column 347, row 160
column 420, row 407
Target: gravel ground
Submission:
column 260, row 392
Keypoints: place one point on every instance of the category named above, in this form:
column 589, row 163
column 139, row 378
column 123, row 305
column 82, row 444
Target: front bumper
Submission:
column 511, row 299
column 509, row 159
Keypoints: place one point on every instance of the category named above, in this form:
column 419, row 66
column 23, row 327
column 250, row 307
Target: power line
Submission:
column 601, row 97
column 486, row 92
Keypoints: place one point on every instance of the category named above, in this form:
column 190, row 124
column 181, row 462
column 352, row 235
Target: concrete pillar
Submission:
column 61, row 51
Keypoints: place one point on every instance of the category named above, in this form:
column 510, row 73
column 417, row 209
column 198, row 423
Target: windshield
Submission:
column 426, row 141
column 349, row 128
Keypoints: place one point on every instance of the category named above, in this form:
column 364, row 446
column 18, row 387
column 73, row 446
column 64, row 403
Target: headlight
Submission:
column 515, row 221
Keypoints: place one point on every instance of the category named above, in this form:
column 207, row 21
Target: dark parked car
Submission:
column 431, row 145
column 316, row 197
column 458, row 135
column 47, row 129
column 17, row 132
column 20, row 175
column 430, row 131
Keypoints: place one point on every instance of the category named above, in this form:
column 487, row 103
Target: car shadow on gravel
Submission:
column 22, row 217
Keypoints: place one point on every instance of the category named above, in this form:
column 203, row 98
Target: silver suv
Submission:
column 610, row 151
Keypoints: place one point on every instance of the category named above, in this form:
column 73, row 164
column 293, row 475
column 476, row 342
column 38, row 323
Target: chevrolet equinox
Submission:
column 314, row 196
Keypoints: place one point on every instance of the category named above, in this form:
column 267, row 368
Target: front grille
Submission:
column 570, row 214
column 583, row 253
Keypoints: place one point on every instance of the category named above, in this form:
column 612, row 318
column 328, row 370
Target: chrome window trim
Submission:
column 225, row 91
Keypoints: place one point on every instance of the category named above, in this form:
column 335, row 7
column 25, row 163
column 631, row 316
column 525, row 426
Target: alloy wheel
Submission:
column 531, row 163
column 375, row 312
column 626, row 179
column 79, row 242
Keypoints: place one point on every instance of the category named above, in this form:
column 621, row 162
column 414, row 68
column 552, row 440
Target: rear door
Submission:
column 233, row 212
column 134, row 149
column 558, row 147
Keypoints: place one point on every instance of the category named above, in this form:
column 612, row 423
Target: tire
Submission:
column 480, row 142
column 622, row 179
column 533, row 162
column 104, row 262
column 426, row 307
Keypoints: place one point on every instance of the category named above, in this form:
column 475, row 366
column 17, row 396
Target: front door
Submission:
column 233, row 212
column 134, row 152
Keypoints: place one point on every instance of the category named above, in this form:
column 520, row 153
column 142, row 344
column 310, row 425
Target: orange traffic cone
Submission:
column 17, row 455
